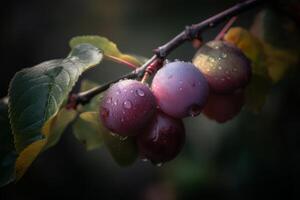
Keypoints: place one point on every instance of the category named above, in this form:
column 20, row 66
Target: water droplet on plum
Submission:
column 127, row 104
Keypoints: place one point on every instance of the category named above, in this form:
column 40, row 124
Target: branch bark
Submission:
column 188, row 34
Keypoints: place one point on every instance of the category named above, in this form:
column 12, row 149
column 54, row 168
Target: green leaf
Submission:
column 123, row 150
column 109, row 48
column 256, row 93
column 89, row 130
column 280, row 37
column 8, row 154
column 36, row 95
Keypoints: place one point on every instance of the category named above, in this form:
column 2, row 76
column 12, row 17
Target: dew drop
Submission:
column 194, row 110
column 123, row 138
column 109, row 100
column 180, row 88
column 115, row 103
column 220, row 68
column 145, row 160
column 140, row 92
column 235, row 69
column 159, row 164
column 127, row 104
column 224, row 55
column 118, row 92
column 122, row 120
column 113, row 134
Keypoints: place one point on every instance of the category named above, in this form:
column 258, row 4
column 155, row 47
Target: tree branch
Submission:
column 191, row 32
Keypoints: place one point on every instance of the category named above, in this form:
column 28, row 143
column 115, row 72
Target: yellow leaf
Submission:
column 109, row 48
column 251, row 46
column 279, row 61
column 51, row 131
column 27, row 156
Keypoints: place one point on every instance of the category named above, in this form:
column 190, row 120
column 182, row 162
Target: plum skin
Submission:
column 225, row 66
column 180, row 89
column 127, row 107
column 162, row 140
column 224, row 107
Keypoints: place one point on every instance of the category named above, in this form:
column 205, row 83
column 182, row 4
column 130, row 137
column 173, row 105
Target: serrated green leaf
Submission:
column 123, row 150
column 109, row 48
column 89, row 130
column 8, row 154
column 36, row 95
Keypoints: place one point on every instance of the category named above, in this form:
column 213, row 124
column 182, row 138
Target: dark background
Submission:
column 250, row 157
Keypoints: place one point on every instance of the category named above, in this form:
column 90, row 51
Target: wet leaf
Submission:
column 109, row 48
column 36, row 95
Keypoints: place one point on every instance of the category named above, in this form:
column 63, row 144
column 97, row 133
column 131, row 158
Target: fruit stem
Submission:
column 226, row 28
column 189, row 34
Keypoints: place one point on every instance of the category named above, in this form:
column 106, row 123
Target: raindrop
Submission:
column 224, row 55
column 220, row 68
column 116, row 103
column 145, row 160
column 122, row 138
column 140, row 92
column 109, row 100
column 127, row 104
column 194, row 110
column 159, row 164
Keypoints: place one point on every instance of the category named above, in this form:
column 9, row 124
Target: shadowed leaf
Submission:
column 36, row 95
column 280, row 37
column 89, row 130
column 123, row 150
column 8, row 154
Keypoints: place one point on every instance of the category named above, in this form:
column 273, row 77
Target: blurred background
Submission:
column 252, row 156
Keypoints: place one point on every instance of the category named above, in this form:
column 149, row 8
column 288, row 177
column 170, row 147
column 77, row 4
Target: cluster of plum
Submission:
column 179, row 89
